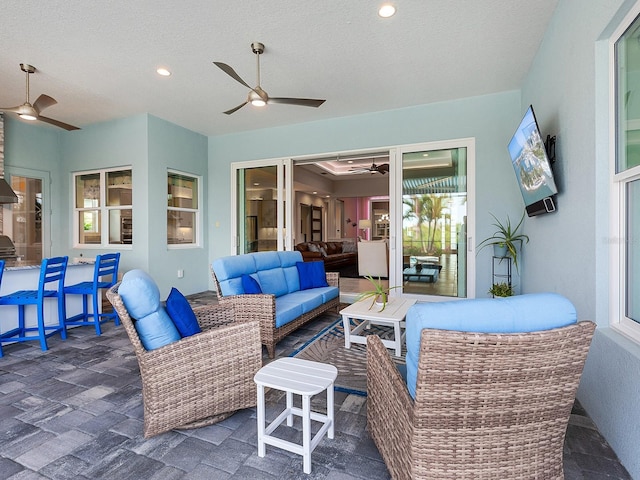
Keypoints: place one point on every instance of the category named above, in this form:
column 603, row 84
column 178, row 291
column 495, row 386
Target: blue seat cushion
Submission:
column 309, row 299
column 312, row 275
column 250, row 285
column 518, row 314
column 286, row 310
column 182, row 314
column 328, row 293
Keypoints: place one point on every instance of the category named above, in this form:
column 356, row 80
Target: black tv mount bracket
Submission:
column 550, row 147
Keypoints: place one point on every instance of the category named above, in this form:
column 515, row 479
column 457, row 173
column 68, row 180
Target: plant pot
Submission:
column 381, row 302
column 499, row 251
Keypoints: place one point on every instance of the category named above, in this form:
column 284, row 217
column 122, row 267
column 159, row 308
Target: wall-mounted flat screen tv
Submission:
column 532, row 167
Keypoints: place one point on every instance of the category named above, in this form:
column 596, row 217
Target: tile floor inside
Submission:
column 75, row 412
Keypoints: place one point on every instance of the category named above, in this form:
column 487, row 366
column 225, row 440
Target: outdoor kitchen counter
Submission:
column 23, row 275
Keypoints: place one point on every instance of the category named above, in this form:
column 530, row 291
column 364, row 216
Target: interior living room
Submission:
column 173, row 152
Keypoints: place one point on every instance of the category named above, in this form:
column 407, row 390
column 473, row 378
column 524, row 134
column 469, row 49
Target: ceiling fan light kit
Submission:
column 257, row 96
column 30, row 112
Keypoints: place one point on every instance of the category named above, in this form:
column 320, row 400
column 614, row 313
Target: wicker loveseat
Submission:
column 283, row 304
column 478, row 405
column 198, row 380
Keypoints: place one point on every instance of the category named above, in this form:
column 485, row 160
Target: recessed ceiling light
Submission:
column 163, row 71
column 387, row 10
column 315, row 193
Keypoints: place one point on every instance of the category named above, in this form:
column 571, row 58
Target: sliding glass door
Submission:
column 261, row 193
column 434, row 208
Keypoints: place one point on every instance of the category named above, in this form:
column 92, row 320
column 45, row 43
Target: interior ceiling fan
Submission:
column 257, row 96
column 27, row 111
column 383, row 168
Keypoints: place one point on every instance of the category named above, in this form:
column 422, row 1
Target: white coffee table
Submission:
column 393, row 315
column 304, row 378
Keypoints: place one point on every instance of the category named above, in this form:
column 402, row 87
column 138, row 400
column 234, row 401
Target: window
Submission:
column 183, row 209
column 103, row 208
column 626, row 178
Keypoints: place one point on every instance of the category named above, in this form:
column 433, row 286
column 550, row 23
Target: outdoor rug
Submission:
column 328, row 347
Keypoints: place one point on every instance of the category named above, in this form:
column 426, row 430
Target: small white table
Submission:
column 393, row 315
column 304, row 378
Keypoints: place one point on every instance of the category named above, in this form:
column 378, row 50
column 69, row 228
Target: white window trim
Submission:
column 198, row 217
column 103, row 209
column 617, row 251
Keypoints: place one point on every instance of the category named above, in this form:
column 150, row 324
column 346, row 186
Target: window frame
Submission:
column 618, row 199
column 197, row 240
column 103, row 209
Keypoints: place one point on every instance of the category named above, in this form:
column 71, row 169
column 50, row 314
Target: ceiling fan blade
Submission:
column 232, row 73
column 235, row 109
column 11, row 109
column 43, row 101
column 303, row 102
column 57, row 123
column 384, row 168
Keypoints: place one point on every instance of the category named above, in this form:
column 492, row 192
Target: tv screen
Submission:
column 532, row 167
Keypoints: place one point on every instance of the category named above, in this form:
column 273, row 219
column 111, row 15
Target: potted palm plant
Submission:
column 506, row 240
column 379, row 293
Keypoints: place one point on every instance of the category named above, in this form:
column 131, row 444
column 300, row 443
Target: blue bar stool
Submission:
column 52, row 270
column 105, row 275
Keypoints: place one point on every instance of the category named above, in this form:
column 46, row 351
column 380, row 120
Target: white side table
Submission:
column 304, row 378
column 393, row 315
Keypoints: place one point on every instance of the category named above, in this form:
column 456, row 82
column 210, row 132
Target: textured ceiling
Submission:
column 98, row 58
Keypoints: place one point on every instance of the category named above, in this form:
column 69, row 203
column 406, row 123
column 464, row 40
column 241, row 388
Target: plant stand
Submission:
column 501, row 270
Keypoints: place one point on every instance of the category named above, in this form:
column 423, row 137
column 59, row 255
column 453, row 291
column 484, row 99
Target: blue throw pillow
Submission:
column 250, row 284
column 312, row 275
column 182, row 314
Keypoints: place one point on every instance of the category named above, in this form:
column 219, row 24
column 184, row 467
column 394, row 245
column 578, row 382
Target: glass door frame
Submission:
column 284, row 197
column 395, row 206
column 45, row 179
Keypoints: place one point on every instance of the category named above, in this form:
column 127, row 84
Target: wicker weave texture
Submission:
column 488, row 406
column 200, row 379
column 262, row 308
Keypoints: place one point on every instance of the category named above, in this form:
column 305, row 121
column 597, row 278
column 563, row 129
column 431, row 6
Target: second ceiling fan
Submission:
column 257, row 96
column 383, row 169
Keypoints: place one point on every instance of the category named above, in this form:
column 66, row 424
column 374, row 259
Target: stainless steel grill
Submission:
column 7, row 248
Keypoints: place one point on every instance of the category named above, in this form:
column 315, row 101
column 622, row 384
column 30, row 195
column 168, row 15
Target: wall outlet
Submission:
column 180, row 273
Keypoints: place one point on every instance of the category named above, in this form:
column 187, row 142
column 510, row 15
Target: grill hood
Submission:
column 7, row 195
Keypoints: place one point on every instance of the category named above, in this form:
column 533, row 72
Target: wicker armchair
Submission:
column 201, row 379
column 487, row 406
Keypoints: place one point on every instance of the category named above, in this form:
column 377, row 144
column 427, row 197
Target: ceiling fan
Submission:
column 257, row 96
column 383, row 168
column 28, row 111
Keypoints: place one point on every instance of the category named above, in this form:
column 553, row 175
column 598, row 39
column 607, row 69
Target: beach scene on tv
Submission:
column 530, row 162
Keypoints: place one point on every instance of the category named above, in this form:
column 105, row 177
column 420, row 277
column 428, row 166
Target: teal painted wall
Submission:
column 491, row 119
column 176, row 148
column 118, row 143
column 151, row 146
column 568, row 86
